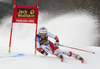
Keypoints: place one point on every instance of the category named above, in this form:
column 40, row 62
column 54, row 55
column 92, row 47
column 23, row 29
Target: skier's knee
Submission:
column 42, row 47
column 55, row 51
column 70, row 53
column 45, row 48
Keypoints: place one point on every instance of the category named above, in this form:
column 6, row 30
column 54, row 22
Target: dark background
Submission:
column 55, row 7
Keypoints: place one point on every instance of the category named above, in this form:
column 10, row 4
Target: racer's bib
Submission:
column 42, row 41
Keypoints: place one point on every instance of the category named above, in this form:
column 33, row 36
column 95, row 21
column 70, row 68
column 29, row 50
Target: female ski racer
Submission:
column 45, row 46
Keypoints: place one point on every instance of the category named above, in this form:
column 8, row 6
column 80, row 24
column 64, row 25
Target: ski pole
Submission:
column 78, row 49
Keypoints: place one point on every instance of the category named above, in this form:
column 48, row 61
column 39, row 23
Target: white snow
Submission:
column 76, row 30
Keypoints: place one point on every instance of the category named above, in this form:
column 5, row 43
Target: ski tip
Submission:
column 82, row 60
column 62, row 59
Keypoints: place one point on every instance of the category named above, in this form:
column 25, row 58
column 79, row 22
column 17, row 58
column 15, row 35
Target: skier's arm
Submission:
column 53, row 36
column 39, row 49
column 38, row 46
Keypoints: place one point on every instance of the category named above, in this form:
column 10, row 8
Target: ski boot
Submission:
column 60, row 56
column 78, row 57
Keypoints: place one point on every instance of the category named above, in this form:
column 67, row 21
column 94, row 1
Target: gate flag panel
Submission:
column 24, row 14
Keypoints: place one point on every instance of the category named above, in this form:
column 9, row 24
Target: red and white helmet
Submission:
column 43, row 30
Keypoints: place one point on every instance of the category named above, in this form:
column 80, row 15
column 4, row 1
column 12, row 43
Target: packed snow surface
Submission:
column 73, row 29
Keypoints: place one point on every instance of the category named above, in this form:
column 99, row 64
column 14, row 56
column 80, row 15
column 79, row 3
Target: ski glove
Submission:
column 56, row 44
column 42, row 51
column 57, row 41
column 56, row 37
column 45, row 53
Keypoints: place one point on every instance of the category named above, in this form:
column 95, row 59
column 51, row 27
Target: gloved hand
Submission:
column 45, row 53
column 56, row 44
column 56, row 37
column 57, row 41
column 42, row 52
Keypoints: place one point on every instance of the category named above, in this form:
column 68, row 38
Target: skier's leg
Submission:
column 53, row 48
column 47, row 49
column 59, row 55
column 69, row 53
column 78, row 57
column 63, row 52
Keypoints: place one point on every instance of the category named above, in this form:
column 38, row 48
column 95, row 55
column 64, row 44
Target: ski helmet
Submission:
column 43, row 30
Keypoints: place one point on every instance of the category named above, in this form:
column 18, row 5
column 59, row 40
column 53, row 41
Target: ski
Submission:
column 62, row 59
column 82, row 60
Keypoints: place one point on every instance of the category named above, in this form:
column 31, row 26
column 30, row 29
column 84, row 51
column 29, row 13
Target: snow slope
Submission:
column 73, row 29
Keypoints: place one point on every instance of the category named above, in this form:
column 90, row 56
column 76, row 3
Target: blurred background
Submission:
column 55, row 8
